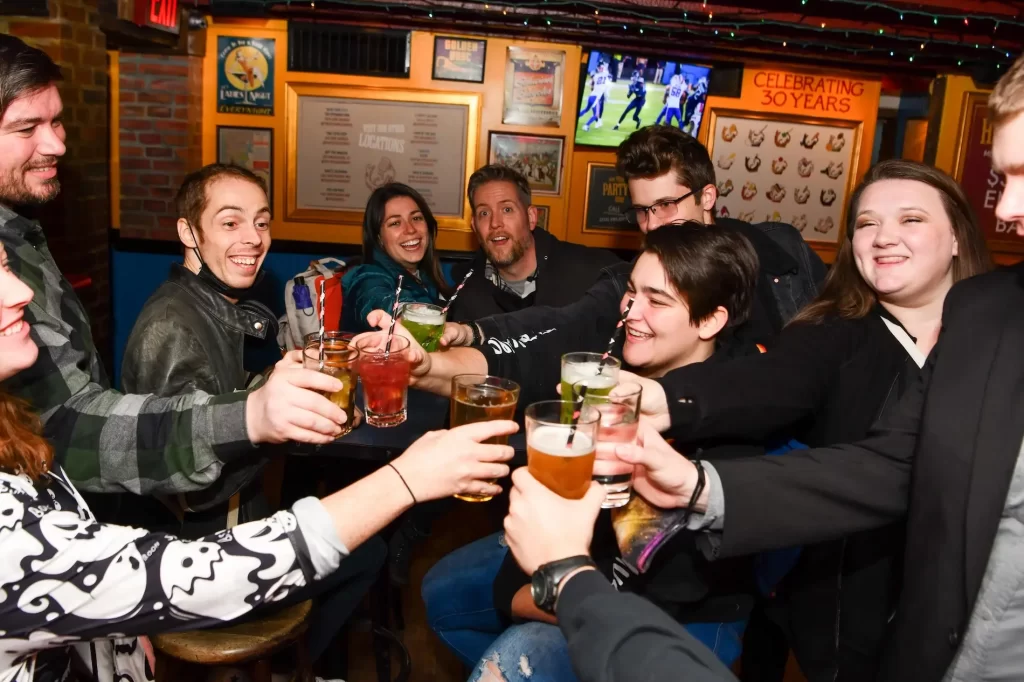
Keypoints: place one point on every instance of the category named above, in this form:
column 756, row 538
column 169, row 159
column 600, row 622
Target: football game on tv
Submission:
column 620, row 93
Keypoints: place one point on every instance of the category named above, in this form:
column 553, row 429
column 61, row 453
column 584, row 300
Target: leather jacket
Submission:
column 190, row 338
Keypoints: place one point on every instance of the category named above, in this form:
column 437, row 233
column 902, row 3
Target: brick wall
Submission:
column 77, row 222
column 160, row 138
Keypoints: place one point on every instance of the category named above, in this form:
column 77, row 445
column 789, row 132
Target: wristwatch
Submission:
column 548, row 578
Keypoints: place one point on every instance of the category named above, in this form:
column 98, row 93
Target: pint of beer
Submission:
column 481, row 398
column 563, row 464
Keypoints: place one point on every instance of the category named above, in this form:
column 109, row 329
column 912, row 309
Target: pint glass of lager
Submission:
column 425, row 322
column 563, row 466
column 481, row 398
column 620, row 421
column 339, row 362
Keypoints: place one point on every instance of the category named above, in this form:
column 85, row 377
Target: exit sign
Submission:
column 161, row 14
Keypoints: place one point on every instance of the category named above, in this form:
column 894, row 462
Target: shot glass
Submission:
column 619, row 423
column 579, row 366
column 564, row 467
column 385, row 378
column 482, row 398
column 340, row 362
column 425, row 321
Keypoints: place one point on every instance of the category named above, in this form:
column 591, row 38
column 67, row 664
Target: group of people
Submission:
column 891, row 558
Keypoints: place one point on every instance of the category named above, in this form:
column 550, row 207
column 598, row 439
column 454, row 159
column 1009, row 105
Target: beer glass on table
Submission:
column 425, row 322
column 339, row 362
column 580, row 366
column 385, row 376
column 480, row 398
column 619, row 423
column 564, row 467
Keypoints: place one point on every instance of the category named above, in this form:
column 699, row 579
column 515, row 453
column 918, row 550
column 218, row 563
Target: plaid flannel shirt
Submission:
column 107, row 441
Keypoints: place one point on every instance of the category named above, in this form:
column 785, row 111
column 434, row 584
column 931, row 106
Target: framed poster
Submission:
column 543, row 212
column 459, row 59
column 607, row 200
column 251, row 148
column 538, row 157
column 344, row 142
column 245, row 76
column 972, row 168
column 781, row 168
column 533, row 87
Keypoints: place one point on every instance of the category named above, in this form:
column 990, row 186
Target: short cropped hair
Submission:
column 497, row 173
column 655, row 150
column 193, row 197
column 23, row 70
column 708, row 266
column 1007, row 99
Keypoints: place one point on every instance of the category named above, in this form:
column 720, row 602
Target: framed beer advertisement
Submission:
column 459, row 59
column 533, row 87
column 538, row 157
column 543, row 212
column 251, row 148
column 972, row 168
column 607, row 200
column 345, row 142
column 245, row 75
column 784, row 168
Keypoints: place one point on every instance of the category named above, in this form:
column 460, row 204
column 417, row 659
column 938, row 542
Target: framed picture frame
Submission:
column 533, row 87
column 344, row 142
column 607, row 198
column 784, row 168
column 538, row 157
column 459, row 59
column 251, row 148
column 972, row 168
column 543, row 215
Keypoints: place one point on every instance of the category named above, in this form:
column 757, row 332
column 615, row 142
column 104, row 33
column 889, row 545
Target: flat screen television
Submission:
column 620, row 93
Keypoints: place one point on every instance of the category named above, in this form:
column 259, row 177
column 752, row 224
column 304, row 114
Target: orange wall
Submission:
column 492, row 90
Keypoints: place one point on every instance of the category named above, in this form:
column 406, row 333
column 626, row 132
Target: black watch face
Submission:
column 539, row 590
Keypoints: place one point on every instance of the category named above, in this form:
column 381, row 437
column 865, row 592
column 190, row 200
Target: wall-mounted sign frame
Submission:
column 344, row 142
column 972, row 168
column 543, row 216
column 251, row 148
column 245, row 75
column 459, row 59
column 607, row 200
column 784, row 168
column 534, row 82
column 537, row 157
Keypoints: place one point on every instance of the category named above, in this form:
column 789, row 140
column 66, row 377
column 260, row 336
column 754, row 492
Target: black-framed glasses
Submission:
column 667, row 209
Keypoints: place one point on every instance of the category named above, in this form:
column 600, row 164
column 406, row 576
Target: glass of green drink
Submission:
column 425, row 321
column 587, row 367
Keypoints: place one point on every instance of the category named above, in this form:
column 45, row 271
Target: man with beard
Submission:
column 517, row 265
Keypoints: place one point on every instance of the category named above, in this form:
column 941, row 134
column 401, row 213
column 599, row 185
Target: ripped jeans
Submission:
column 538, row 652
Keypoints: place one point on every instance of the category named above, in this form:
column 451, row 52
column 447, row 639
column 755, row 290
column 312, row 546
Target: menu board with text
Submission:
column 347, row 147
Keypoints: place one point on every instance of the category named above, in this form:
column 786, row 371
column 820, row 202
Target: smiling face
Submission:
column 17, row 350
column 660, row 335
column 234, row 233
column 503, row 225
column 404, row 235
column 903, row 242
column 1008, row 157
column 31, row 142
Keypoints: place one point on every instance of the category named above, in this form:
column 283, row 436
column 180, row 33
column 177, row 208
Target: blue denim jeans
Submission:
column 538, row 652
column 458, row 596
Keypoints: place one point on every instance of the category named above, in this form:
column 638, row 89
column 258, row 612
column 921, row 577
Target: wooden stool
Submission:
column 247, row 645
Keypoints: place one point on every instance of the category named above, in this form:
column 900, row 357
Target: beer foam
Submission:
column 422, row 314
column 587, row 371
column 551, row 441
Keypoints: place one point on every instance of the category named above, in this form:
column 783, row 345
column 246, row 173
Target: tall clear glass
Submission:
column 579, row 366
column 339, row 362
column 562, row 465
column 481, row 398
column 425, row 321
column 620, row 421
column 385, row 378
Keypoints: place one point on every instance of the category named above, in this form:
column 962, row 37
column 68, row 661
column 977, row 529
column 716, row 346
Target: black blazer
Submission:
column 944, row 456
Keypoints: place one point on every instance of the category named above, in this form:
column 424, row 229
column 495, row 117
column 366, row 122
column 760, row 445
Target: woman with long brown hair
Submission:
column 910, row 235
column 67, row 580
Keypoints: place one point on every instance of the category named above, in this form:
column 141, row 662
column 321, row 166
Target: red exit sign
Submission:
column 161, row 14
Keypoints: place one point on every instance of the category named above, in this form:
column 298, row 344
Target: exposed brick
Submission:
column 133, row 190
column 131, row 150
column 170, row 125
column 127, row 96
column 126, row 136
column 151, row 138
column 131, row 83
column 159, row 152
column 82, row 34
column 131, row 204
column 170, row 166
column 156, row 97
column 154, row 205
column 131, row 232
column 127, row 66
column 136, row 164
column 36, row 29
column 136, row 219
column 153, row 180
column 100, row 78
column 172, row 140
column 94, row 96
column 132, row 111
column 175, row 85
column 136, row 124
column 182, row 99
column 164, row 69
column 163, row 192
column 181, row 113
column 158, row 112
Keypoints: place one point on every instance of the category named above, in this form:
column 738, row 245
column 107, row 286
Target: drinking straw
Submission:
column 394, row 314
column 577, row 410
column 323, row 298
column 451, row 300
column 615, row 334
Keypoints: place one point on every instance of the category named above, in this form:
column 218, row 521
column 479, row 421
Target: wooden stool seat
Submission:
column 256, row 639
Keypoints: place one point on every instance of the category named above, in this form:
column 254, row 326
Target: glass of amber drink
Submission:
column 481, row 398
column 339, row 362
column 619, row 423
column 425, row 322
column 563, row 466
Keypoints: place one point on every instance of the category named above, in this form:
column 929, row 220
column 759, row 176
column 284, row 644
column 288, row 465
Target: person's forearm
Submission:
column 524, row 608
column 362, row 509
column 448, row 363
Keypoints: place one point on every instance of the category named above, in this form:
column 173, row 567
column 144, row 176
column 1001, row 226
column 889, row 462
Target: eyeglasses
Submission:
column 639, row 215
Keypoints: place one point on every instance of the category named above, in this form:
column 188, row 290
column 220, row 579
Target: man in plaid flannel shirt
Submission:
column 107, row 441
